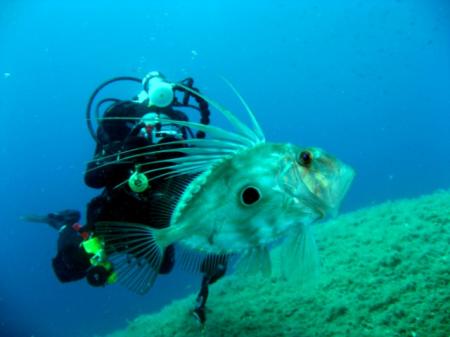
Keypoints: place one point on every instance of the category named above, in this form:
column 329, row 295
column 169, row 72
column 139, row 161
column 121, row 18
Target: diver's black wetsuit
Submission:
column 122, row 204
column 118, row 135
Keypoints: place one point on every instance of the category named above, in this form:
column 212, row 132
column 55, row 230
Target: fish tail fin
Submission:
column 299, row 258
column 136, row 251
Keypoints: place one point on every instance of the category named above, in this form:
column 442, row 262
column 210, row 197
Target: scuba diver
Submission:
column 125, row 130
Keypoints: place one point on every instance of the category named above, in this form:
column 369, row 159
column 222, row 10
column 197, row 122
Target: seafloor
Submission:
column 385, row 272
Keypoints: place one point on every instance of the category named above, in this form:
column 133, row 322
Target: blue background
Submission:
column 369, row 81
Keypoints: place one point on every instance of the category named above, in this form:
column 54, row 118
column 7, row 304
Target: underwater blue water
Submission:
column 369, row 81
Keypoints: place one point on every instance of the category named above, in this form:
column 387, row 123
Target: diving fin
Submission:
column 55, row 220
column 34, row 218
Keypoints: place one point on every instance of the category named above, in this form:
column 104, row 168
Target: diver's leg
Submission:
column 212, row 273
column 168, row 260
column 55, row 220
column 200, row 303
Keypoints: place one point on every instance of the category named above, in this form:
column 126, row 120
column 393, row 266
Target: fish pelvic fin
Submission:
column 299, row 258
column 254, row 261
column 202, row 262
column 135, row 250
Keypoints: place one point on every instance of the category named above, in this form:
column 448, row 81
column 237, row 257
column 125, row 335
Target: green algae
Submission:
column 385, row 272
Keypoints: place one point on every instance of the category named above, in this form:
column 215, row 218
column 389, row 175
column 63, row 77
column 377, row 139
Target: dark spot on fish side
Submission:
column 250, row 195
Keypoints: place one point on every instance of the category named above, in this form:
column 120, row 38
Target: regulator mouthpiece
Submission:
column 159, row 92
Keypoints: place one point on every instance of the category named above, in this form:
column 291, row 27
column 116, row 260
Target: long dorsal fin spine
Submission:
column 213, row 130
column 186, row 150
column 192, row 159
column 128, row 154
column 257, row 128
column 241, row 127
column 176, row 167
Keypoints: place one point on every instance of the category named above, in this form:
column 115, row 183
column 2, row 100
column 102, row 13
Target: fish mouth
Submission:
column 300, row 199
column 331, row 186
column 341, row 186
column 319, row 189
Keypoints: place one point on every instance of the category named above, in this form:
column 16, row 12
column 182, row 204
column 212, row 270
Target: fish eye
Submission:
column 305, row 159
column 250, row 195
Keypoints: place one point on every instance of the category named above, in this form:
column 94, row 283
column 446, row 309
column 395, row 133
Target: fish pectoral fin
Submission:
column 255, row 260
column 134, row 250
column 299, row 256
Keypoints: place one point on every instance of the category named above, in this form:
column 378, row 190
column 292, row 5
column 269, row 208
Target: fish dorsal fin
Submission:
column 256, row 127
column 129, row 155
column 165, row 199
column 241, row 127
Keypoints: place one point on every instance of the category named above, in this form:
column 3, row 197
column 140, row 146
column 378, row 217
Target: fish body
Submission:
column 213, row 216
column 246, row 195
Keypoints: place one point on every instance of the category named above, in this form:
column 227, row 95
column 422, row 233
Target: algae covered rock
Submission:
column 385, row 272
